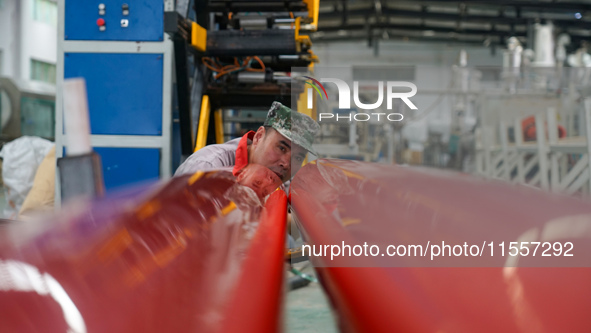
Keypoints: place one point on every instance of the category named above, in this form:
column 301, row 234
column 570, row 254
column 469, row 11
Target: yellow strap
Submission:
column 203, row 123
column 198, row 37
column 195, row 177
column 219, row 126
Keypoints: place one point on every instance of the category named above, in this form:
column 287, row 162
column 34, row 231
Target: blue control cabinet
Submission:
column 121, row 167
column 124, row 91
column 126, row 166
column 119, row 47
column 145, row 20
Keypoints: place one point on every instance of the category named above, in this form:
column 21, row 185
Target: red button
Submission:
column 100, row 22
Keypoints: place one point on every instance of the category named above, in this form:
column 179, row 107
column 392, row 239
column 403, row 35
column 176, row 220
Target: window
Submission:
column 45, row 11
column 42, row 71
column 38, row 117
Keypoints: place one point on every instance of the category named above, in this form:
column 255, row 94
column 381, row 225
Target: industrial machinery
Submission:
column 159, row 73
column 236, row 56
column 26, row 108
column 120, row 49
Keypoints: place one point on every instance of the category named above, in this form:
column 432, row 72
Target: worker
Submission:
column 281, row 145
column 285, row 135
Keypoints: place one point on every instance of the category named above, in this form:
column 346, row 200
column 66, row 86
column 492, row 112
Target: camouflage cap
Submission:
column 295, row 126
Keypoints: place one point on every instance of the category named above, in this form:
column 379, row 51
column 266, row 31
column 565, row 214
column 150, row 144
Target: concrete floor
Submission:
column 307, row 308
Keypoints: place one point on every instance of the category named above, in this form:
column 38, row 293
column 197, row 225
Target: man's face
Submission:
column 274, row 151
column 259, row 178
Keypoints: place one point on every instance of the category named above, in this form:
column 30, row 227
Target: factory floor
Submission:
column 307, row 308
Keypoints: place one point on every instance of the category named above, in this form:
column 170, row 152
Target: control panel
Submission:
column 128, row 86
column 124, row 91
column 117, row 20
column 125, row 166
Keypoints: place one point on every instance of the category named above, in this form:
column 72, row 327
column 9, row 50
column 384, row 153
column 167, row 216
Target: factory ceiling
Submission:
column 477, row 22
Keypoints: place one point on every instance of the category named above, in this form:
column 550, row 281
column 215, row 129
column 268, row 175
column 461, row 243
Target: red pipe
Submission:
column 256, row 302
column 354, row 202
column 178, row 260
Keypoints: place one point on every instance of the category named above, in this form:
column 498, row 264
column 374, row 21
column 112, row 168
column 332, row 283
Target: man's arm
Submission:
column 191, row 166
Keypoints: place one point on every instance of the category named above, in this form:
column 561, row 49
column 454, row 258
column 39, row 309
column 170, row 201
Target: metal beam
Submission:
column 439, row 16
column 515, row 25
column 257, row 6
column 263, row 95
column 407, row 27
column 251, row 42
column 553, row 6
column 550, row 5
column 451, row 40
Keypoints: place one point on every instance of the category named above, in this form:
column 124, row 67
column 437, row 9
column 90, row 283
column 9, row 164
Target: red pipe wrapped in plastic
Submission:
column 197, row 254
column 406, row 280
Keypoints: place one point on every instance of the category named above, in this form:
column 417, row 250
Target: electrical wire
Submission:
column 220, row 69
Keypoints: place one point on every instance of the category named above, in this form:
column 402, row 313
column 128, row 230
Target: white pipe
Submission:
column 76, row 117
